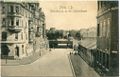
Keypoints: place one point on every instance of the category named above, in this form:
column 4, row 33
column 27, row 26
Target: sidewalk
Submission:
column 25, row 60
column 81, row 68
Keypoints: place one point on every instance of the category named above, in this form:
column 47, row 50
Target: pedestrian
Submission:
column 75, row 49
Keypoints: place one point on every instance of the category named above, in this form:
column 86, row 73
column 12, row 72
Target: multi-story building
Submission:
column 89, row 33
column 107, row 55
column 22, row 28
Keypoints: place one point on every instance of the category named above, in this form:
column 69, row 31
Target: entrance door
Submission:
column 17, row 51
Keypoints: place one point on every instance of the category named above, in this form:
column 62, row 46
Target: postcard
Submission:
column 59, row 38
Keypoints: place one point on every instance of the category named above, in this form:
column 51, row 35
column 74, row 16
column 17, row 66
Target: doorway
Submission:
column 17, row 51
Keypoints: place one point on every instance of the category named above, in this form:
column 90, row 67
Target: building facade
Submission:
column 22, row 28
column 107, row 56
column 89, row 33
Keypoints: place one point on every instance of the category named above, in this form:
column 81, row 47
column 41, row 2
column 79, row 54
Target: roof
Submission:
column 88, row 43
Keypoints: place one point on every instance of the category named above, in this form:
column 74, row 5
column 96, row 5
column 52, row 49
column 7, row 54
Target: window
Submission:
column 98, row 30
column 100, row 57
column 108, row 27
column 101, row 29
column 12, row 21
column 3, row 21
column 114, row 3
column 104, row 28
column 16, row 36
column 4, row 36
column 104, row 59
column 107, row 63
column 37, row 29
column 3, row 10
column 22, row 35
column 25, row 25
column 17, row 51
column 22, row 49
column 100, row 4
column 26, row 36
column 17, row 22
column 17, row 9
column 11, row 8
column 21, row 23
column 21, row 11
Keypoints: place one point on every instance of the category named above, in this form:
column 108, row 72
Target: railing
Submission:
column 13, row 14
column 15, row 29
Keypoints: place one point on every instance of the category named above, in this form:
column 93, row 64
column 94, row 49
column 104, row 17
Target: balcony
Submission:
column 15, row 29
column 11, row 14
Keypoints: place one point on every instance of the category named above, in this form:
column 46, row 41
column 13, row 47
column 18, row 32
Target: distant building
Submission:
column 88, row 38
column 89, row 33
column 21, row 25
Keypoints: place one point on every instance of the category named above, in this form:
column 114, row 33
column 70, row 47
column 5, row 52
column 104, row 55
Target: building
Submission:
column 88, row 38
column 107, row 56
column 22, row 29
column 89, row 33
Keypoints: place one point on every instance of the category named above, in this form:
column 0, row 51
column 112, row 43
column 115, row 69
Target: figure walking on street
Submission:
column 75, row 49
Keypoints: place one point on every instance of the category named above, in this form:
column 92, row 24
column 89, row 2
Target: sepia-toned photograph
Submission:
column 59, row 38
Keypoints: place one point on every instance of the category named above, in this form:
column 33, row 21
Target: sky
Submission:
column 69, row 15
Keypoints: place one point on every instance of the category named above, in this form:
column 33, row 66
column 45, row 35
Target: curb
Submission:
column 71, row 65
column 29, row 60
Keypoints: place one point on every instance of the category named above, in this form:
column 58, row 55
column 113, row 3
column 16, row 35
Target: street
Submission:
column 54, row 63
column 57, row 62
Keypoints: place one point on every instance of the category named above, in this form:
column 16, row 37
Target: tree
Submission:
column 78, row 35
column 51, row 34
